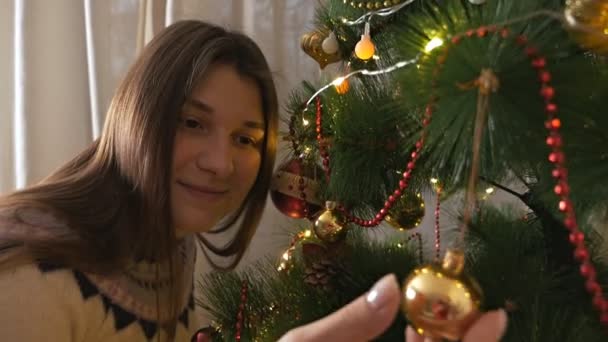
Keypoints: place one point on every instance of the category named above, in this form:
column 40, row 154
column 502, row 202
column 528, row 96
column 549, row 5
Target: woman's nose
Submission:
column 217, row 158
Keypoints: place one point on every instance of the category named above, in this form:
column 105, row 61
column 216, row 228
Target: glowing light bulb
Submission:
column 305, row 122
column 341, row 85
column 365, row 48
column 338, row 81
column 433, row 44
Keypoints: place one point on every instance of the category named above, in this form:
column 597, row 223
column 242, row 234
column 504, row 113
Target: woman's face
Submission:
column 217, row 152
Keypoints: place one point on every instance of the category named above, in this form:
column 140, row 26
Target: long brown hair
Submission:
column 114, row 196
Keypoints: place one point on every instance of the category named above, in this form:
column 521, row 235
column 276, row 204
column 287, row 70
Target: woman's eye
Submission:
column 245, row 140
column 191, row 123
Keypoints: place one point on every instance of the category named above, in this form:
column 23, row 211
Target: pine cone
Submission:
column 321, row 274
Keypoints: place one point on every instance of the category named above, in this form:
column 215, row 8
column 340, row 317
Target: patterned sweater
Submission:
column 40, row 302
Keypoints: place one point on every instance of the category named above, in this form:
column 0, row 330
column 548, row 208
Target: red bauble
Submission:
column 294, row 189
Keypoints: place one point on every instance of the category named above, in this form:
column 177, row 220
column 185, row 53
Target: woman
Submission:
column 103, row 249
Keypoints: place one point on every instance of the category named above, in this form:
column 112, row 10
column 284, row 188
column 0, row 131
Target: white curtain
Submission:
column 60, row 63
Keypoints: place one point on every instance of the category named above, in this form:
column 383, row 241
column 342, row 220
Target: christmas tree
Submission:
column 453, row 98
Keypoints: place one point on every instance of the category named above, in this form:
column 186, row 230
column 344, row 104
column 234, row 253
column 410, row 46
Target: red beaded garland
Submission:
column 545, row 76
column 577, row 237
column 419, row 238
column 239, row 316
column 403, row 183
column 437, row 230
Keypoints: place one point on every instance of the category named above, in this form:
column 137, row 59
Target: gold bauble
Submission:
column 329, row 226
column 312, row 43
column 588, row 23
column 407, row 213
column 440, row 301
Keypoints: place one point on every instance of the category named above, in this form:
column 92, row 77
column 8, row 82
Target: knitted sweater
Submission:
column 40, row 302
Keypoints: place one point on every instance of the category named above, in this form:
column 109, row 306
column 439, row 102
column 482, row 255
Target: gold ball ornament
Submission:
column 407, row 213
column 329, row 226
column 312, row 45
column 588, row 23
column 441, row 301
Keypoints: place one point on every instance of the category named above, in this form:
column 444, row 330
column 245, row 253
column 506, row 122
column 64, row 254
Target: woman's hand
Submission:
column 362, row 320
column 368, row 316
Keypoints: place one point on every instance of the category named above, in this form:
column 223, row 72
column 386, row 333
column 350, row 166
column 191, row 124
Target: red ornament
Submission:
column 294, row 187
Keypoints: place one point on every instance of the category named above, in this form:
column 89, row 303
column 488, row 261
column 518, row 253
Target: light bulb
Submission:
column 342, row 86
column 365, row 47
column 330, row 44
column 433, row 44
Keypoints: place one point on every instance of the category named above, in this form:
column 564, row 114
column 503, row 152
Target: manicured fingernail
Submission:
column 502, row 323
column 379, row 295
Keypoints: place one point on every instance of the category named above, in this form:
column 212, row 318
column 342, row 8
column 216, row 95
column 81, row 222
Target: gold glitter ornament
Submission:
column 407, row 213
column 329, row 226
column 587, row 21
column 312, row 45
column 440, row 301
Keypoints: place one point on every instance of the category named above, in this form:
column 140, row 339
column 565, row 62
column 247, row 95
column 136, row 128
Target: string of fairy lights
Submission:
column 365, row 48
